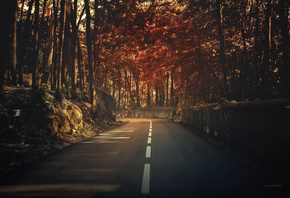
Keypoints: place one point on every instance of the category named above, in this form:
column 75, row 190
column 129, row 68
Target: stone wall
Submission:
column 163, row 113
column 261, row 129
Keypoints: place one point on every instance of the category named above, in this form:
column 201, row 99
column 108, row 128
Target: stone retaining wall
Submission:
column 258, row 128
column 163, row 113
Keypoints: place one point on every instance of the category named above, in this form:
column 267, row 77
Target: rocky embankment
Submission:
column 46, row 125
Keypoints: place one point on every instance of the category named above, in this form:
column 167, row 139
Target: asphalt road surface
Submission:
column 142, row 158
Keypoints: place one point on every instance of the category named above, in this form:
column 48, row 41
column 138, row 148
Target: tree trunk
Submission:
column 157, row 96
column 61, row 40
column 23, row 43
column 95, row 47
column 89, row 48
column 66, row 58
column 167, row 87
column 74, row 38
column 35, row 46
column 148, row 96
column 137, row 92
column 255, row 80
column 14, row 61
column 267, row 50
column 80, row 66
column 44, row 37
column 54, row 65
column 246, row 69
column 285, row 70
column 222, row 50
column 119, row 99
column 172, row 90
column 8, row 13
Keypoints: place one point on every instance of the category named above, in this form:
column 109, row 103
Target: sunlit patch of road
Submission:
column 55, row 190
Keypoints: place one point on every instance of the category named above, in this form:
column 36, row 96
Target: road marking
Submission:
column 149, row 140
column 145, row 189
column 148, row 152
column 150, row 129
column 150, row 134
column 131, row 131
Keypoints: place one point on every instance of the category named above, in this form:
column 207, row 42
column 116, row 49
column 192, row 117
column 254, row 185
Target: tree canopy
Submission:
column 151, row 52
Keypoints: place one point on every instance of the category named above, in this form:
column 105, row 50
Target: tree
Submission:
column 285, row 69
column 35, row 46
column 222, row 48
column 89, row 48
column 7, row 19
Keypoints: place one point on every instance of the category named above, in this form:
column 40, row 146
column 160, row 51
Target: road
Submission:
column 142, row 158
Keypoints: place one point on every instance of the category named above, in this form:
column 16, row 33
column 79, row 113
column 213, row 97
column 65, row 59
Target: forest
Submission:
column 148, row 53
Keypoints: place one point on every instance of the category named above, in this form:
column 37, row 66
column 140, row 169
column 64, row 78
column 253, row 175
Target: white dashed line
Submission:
column 145, row 189
column 148, row 152
column 149, row 140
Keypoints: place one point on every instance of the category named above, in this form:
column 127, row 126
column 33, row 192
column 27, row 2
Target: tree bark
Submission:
column 14, row 62
column 80, row 66
column 137, row 92
column 60, row 47
column 23, row 43
column 35, row 46
column 7, row 13
column 255, row 83
column 167, row 87
column 222, row 50
column 172, row 90
column 267, row 50
column 74, row 38
column 54, row 65
column 157, row 96
column 285, row 70
column 246, row 69
column 89, row 48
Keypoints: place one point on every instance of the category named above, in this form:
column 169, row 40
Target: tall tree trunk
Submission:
column 137, row 91
column 35, row 46
column 148, row 96
column 172, row 90
column 74, row 38
column 14, row 61
column 95, row 47
column 167, row 87
column 61, row 40
column 23, row 42
column 119, row 96
column 255, row 81
column 157, row 96
column 267, row 50
column 7, row 13
column 89, row 48
column 66, row 58
column 285, row 71
column 54, row 65
column 246, row 68
column 222, row 49
column 80, row 66
column 44, row 37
